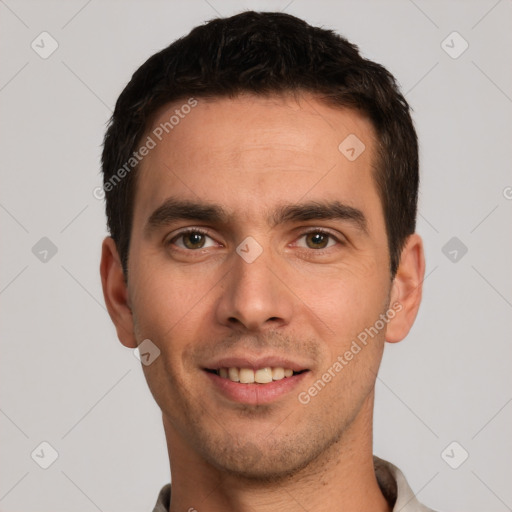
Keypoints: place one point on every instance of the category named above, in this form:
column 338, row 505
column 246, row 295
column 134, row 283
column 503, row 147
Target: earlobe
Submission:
column 407, row 289
column 115, row 293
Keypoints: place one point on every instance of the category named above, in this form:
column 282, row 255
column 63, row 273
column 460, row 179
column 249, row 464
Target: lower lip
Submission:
column 255, row 394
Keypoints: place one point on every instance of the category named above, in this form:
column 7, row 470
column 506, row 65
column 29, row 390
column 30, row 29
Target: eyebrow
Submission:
column 176, row 209
column 334, row 210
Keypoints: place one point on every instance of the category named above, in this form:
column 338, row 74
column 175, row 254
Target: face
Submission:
column 259, row 253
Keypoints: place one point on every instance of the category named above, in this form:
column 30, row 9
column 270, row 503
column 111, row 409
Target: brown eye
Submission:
column 317, row 240
column 194, row 240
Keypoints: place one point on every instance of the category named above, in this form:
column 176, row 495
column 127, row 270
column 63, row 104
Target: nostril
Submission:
column 253, row 324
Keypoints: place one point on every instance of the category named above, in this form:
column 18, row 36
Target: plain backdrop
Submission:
column 443, row 394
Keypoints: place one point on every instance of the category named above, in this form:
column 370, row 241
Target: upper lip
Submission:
column 256, row 362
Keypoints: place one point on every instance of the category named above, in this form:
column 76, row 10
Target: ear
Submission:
column 407, row 289
column 115, row 293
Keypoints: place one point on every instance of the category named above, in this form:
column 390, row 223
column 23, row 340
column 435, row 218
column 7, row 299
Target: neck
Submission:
column 341, row 478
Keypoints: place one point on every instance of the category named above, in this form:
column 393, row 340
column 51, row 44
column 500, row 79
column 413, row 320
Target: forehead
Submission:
column 250, row 151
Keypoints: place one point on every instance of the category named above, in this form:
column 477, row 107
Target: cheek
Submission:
column 347, row 301
column 164, row 301
column 353, row 345
column 174, row 310
column 166, row 312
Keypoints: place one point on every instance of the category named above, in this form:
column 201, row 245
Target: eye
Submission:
column 192, row 240
column 317, row 240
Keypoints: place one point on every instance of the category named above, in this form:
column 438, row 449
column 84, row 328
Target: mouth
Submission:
column 263, row 375
column 255, row 381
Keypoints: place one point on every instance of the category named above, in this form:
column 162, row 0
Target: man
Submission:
column 261, row 183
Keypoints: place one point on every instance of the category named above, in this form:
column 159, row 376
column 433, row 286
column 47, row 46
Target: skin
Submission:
column 251, row 155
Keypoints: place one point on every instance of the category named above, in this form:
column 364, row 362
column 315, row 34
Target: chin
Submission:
column 263, row 464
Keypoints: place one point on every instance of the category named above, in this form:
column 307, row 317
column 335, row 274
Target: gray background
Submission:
column 66, row 380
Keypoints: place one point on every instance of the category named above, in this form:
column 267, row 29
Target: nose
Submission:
column 255, row 295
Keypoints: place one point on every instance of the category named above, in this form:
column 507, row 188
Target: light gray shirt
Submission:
column 391, row 481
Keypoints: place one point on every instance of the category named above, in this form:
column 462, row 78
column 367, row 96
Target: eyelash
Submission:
column 304, row 233
column 323, row 232
column 187, row 231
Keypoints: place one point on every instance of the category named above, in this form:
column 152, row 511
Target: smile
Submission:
column 256, row 385
column 255, row 376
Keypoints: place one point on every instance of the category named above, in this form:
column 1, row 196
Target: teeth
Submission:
column 233, row 374
column 277, row 373
column 260, row 376
column 263, row 375
column 246, row 376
